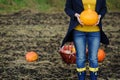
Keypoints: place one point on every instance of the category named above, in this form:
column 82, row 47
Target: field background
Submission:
column 40, row 26
column 46, row 6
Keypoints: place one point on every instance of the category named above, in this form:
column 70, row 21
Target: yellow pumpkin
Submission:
column 89, row 17
column 31, row 56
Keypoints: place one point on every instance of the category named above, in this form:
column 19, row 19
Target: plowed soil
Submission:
column 26, row 31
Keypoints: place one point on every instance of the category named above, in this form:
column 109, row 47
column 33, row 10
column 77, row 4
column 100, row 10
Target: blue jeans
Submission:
column 92, row 40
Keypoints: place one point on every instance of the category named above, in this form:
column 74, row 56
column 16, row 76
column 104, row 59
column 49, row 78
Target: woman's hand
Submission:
column 99, row 16
column 78, row 18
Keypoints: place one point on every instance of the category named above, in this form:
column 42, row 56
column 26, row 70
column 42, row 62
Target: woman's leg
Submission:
column 80, row 45
column 93, row 46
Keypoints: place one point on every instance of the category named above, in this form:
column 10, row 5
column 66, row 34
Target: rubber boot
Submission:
column 81, row 75
column 93, row 75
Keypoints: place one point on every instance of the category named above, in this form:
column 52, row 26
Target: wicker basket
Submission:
column 67, row 56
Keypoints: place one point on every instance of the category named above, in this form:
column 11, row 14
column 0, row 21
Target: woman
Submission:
column 83, row 35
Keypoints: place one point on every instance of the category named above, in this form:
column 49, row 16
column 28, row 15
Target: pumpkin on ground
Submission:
column 31, row 56
column 101, row 55
column 89, row 17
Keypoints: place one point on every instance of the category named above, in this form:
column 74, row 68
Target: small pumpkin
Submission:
column 89, row 17
column 73, row 49
column 101, row 55
column 31, row 56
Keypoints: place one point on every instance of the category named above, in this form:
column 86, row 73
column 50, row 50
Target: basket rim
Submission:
column 61, row 52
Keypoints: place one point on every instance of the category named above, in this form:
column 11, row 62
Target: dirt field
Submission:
column 25, row 31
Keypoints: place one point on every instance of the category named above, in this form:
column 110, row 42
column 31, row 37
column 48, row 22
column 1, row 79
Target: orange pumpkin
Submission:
column 31, row 56
column 101, row 55
column 73, row 50
column 89, row 17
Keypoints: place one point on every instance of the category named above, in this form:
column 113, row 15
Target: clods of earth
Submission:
column 43, row 33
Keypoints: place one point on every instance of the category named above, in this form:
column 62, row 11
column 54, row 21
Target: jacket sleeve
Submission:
column 69, row 9
column 103, row 9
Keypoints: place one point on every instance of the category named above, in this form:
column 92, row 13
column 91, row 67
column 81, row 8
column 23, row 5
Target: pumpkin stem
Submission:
column 88, row 6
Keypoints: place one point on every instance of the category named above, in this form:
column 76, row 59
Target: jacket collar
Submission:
column 81, row 3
